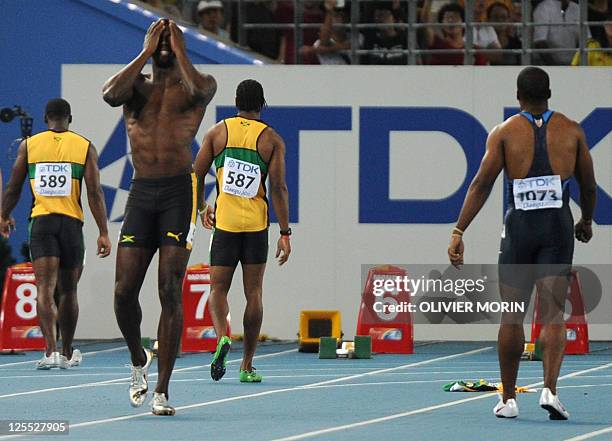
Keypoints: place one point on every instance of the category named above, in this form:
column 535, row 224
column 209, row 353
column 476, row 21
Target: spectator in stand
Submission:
column 498, row 12
column 481, row 7
column 387, row 41
column 210, row 18
column 333, row 39
column 598, row 11
column 264, row 41
column 449, row 36
column 311, row 13
column 399, row 8
column 598, row 57
column 548, row 36
column 484, row 36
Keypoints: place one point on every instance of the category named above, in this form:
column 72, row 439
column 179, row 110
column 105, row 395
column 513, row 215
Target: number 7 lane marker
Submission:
column 425, row 410
column 269, row 392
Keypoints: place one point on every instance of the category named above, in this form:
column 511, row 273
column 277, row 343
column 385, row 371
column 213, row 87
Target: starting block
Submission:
column 150, row 344
column 361, row 348
column 327, row 347
column 532, row 351
column 153, row 346
column 347, row 350
column 146, row 342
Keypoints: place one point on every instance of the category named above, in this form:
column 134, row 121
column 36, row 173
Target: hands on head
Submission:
column 157, row 31
column 177, row 40
column 152, row 37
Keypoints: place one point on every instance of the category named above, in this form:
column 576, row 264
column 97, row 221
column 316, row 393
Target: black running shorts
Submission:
column 57, row 235
column 536, row 244
column 160, row 212
column 227, row 248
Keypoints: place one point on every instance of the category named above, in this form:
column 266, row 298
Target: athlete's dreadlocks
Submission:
column 250, row 96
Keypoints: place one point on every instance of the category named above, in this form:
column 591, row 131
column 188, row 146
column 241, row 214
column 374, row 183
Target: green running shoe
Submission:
column 250, row 377
column 217, row 366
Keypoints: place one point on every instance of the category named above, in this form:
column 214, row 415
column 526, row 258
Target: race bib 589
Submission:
column 53, row 179
column 240, row 178
column 538, row 192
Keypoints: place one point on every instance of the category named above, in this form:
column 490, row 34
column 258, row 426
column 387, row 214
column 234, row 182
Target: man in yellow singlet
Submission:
column 56, row 161
column 245, row 151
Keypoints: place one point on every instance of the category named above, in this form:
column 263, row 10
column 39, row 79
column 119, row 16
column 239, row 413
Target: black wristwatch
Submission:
column 286, row 232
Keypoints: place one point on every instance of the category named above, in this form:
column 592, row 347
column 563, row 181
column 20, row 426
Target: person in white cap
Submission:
column 210, row 18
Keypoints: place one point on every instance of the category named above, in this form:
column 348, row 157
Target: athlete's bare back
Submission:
column 564, row 139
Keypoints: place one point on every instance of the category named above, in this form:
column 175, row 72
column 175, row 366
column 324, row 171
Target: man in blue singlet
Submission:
column 540, row 150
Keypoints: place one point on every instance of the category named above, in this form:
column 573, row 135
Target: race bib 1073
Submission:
column 538, row 192
column 240, row 178
column 53, row 179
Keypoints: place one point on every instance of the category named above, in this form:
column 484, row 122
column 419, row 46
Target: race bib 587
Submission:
column 53, row 179
column 538, row 192
column 240, row 178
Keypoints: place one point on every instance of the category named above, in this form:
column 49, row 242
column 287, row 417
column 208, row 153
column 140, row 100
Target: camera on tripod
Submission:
column 7, row 114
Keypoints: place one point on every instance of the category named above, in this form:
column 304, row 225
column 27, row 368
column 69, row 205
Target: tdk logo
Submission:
column 247, row 168
column 54, row 168
column 537, row 182
column 376, row 206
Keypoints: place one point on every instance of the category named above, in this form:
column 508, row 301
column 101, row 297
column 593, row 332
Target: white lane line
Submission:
column 54, row 376
column 239, row 397
column 332, row 372
column 84, row 354
column 123, row 379
column 377, row 358
column 445, row 380
column 422, row 410
column 404, row 366
column 591, row 434
column 579, row 386
column 207, row 379
column 382, row 383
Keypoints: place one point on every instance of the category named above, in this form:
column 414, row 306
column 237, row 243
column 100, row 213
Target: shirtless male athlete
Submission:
column 162, row 114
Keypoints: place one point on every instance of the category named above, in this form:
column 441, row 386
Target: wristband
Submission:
column 286, row 233
column 457, row 232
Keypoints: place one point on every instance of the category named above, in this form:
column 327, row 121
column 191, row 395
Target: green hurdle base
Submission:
column 363, row 346
column 327, row 347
